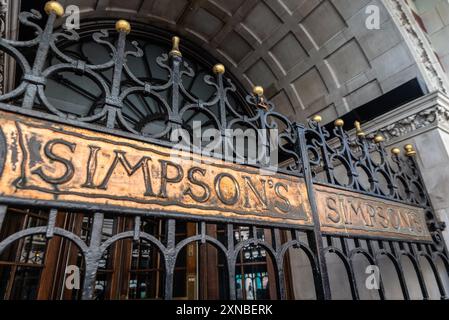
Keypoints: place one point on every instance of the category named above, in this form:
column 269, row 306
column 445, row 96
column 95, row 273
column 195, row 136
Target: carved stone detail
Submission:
column 431, row 68
column 432, row 116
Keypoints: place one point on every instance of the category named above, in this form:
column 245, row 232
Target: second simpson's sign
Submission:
column 43, row 162
column 348, row 213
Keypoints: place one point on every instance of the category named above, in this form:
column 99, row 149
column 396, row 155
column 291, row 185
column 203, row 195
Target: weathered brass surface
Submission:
column 123, row 26
column 349, row 213
column 219, row 69
column 378, row 139
column 317, row 118
column 396, row 151
column 175, row 47
column 409, row 150
column 43, row 161
column 339, row 123
column 54, row 7
column 258, row 91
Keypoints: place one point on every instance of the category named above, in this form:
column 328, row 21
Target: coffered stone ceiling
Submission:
column 312, row 56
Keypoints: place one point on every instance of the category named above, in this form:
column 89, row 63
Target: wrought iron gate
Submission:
column 361, row 165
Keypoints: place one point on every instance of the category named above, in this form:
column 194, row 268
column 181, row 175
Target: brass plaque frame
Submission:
column 58, row 165
column 348, row 213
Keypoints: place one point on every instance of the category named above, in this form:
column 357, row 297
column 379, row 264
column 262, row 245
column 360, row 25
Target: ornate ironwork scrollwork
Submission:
column 173, row 98
column 365, row 165
column 356, row 163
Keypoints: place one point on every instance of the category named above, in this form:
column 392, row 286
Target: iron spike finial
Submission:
column 54, row 7
column 123, row 26
column 175, row 52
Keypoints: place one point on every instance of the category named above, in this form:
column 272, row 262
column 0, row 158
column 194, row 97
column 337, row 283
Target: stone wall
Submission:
column 435, row 18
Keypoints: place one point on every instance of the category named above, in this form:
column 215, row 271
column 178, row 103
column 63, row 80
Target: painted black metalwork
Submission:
column 361, row 165
column 365, row 166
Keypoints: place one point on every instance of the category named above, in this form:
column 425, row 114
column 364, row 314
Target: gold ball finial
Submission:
column 396, row 151
column 409, row 150
column 219, row 69
column 54, row 7
column 175, row 52
column 378, row 139
column 123, row 26
column 339, row 123
column 317, row 118
column 258, row 91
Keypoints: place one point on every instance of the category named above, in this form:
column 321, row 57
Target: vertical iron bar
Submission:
column 436, row 274
column 231, row 261
column 170, row 258
column 352, row 281
column 51, row 223
column 280, row 266
column 3, row 210
column 418, row 270
column 176, row 59
column 330, row 241
column 223, row 122
column 441, row 288
column 203, row 231
column 328, row 166
column 113, row 102
column 324, row 288
column 347, row 154
column 344, row 245
column 39, row 62
column 351, row 274
column 277, row 239
column 402, row 281
column 137, row 223
column 92, row 257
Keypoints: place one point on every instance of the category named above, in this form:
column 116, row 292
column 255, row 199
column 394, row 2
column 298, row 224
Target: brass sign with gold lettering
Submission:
column 349, row 213
column 43, row 162
column 54, row 164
